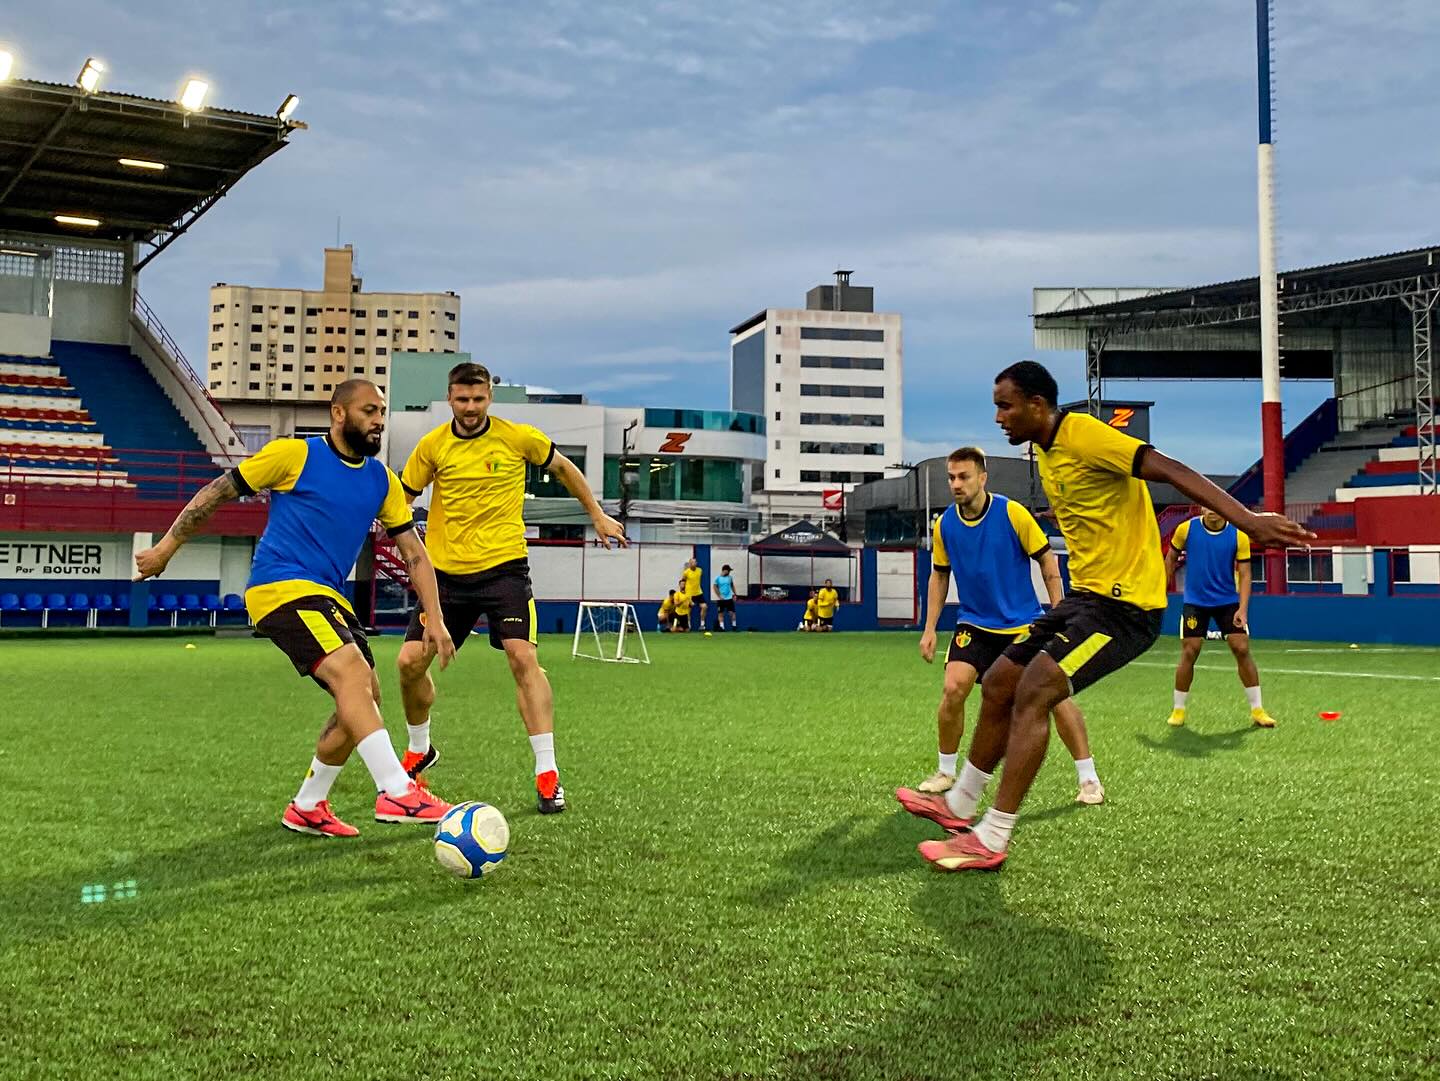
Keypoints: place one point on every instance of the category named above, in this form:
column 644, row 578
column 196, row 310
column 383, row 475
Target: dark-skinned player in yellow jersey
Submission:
column 1095, row 479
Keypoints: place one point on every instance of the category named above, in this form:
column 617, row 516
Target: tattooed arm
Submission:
column 153, row 560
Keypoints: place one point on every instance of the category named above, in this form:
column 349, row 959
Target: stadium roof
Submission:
column 1329, row 276
column 61, row 151
column 1212, row 331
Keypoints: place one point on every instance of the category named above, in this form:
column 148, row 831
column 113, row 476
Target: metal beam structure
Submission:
column 1422, row 316
column 1095, row 338
column 41, row 145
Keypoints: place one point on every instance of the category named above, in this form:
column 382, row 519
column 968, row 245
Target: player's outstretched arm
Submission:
column 422, row 576
column 606, row 528
column 934, row 602
column 1172, row 565
column 1265, row 530
column 1050, row 575
column 197, row 512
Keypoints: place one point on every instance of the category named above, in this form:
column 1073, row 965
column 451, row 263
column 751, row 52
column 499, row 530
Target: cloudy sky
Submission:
column 610, row 186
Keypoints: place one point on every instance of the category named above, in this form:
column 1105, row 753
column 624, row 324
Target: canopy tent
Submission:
column 804, row 538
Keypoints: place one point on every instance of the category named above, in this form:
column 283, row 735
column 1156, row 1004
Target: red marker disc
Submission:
column 1329, row 715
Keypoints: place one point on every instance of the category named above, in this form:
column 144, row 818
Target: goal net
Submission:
column 607, row 631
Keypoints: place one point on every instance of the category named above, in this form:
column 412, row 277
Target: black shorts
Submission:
column 825, row 621
column 725, row 605
column 1089, row 636
column 980, row 648
column 681, row 623
column 309, row 629
column 501, row 594
column 1195, row 621
column 696, row 600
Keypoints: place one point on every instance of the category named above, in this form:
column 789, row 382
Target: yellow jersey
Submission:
column 1104, row 510
column 682, row 604
column 810, row 610
column 692, row 576
column 826, row 602
column 666, row 607
column 477, row 508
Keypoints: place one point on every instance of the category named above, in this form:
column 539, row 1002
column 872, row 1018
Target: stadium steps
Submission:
column 127, row 405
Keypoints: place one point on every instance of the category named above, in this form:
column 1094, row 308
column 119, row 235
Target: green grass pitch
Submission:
column 734, row 892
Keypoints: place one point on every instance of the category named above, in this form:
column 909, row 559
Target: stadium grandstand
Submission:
column 105, row 428
column 1361, row 468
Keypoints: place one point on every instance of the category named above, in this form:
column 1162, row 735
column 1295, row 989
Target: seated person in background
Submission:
column 810, row 620
column 680, row 621
column 666, row 613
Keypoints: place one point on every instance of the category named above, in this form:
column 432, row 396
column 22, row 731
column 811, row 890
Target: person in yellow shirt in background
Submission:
column 692, row 584
column 476, row 539
column 682, row 605
column 826, row 603
column 666, row 613
column 810, row 621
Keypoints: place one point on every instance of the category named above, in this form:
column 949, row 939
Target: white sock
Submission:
column 994, row 830
column 964, row 795
column 1181, row 697
column 544, row 747
column 1085, row 770
column 316, row 786
column 384, row 767
column 1253, row 693
column 948, row 763
column 419, row 737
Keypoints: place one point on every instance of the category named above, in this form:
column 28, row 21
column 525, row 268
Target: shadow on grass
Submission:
column 1187, row 743
column 985, row 998
column 256, row 863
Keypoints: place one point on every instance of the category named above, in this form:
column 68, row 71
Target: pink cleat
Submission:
column 932, row 807
column 962, row 852
column 319, row 821
column 418, row 804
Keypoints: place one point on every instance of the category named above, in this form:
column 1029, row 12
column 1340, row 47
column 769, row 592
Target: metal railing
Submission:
column 232, row 446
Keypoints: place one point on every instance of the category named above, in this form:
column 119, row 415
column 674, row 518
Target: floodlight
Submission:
column 89, row 77
column 288, row 107
column 192, row 95
column 75, row 219
column 141, row 163
column 7, row 64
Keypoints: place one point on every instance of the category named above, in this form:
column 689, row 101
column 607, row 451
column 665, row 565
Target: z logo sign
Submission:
column 674, row 443
column 1122, row 418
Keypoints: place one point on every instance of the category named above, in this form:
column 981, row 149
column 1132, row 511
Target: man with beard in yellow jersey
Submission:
column 476, row 539
column 1095, row 478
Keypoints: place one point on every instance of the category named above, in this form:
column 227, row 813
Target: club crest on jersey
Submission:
column 492, row 466
column 962, row 639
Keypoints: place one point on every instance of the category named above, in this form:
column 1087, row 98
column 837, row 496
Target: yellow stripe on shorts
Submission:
column 1078, row 657
column 534, row 625
column 321, row 628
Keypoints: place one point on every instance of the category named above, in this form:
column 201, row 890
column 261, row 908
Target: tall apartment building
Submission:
column 275, row 355
column 827, row 379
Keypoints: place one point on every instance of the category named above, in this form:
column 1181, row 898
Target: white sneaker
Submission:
column 1091, row 793
column 937, row 782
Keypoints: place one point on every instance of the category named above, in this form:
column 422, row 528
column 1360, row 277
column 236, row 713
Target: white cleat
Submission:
column 1092, row 794
column 937, row 782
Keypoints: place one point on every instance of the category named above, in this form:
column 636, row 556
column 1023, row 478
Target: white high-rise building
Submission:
column 827, row 379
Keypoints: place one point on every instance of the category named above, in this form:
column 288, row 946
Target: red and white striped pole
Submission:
column 1272, row 424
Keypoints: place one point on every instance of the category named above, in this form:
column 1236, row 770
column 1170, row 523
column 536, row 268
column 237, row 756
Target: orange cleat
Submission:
column 320, row 821
column 419, row 804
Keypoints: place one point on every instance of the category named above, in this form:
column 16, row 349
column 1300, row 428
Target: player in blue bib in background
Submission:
column 987, row 543
column 1217, row 590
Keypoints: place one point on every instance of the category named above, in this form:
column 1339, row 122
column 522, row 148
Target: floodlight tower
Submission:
column 1272, row 424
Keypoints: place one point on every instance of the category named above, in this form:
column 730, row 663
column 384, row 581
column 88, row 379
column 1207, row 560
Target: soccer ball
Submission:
column 471, row 840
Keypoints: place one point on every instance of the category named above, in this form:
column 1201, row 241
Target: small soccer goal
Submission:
column 606, row 631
